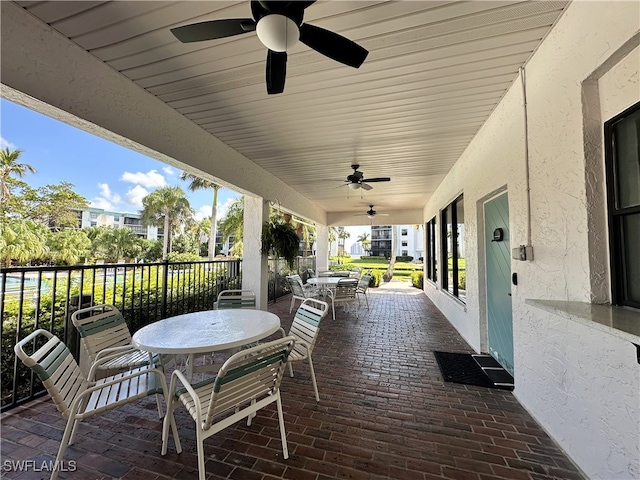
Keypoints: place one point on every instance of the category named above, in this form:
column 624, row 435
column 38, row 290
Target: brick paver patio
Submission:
column 384, row 413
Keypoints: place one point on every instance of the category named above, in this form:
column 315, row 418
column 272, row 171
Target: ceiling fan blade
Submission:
column 366, row 186
column 332, row 45
column 228, row 27
column 276, row 71
column 378, row 179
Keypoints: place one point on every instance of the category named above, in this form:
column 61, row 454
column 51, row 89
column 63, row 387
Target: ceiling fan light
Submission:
column 354, row 185
column 277, row 32
column 370, row 217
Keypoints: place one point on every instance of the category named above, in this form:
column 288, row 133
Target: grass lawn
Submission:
column 401, row 271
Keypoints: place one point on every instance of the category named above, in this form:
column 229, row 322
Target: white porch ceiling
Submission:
column 435, row 71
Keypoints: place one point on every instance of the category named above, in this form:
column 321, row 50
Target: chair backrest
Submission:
column 363, row 283
column 345, row 289
column 306, row 322
column 295, row 282
column 248, row 376
column 55, row 366
column 236, row 299
column 341, row 273
column 100, row 327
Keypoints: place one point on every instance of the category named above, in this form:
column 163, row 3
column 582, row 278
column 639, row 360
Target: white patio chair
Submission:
column 78, row 397
column 363, row 286
column 236, row 299
column 300, row 291
column 305, row 328
column 248, row 381
column 104, row 333
column 344, row 294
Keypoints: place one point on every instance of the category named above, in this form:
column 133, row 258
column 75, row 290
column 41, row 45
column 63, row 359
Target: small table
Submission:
column 205, row 332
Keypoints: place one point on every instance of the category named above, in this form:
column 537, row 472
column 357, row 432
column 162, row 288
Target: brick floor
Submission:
column 384, row 413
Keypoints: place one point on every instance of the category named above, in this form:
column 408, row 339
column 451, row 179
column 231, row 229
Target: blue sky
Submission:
column 107, row 175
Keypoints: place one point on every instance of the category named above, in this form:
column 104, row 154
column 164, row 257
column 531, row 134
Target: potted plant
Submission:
column 281, row 240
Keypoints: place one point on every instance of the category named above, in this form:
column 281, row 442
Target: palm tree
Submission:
column 364, row 240
column 166, row 206
column 233, row 223
column 69, row 246
column 9, row 166
column 343, row 235
column 333, row 232
column 197, row 183
column 22, row 240
column 388, row 275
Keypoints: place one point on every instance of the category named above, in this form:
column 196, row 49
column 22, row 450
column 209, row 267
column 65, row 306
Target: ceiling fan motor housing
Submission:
column 277, row 32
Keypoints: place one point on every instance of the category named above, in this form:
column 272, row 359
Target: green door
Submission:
column 498, row 261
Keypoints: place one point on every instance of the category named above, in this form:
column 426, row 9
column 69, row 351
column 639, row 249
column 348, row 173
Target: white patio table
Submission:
column 205, row 332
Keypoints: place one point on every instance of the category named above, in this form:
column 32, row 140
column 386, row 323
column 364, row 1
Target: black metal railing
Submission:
column 45, row 297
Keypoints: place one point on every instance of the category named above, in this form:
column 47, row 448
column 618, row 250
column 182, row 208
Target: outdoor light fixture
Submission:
column 277, row 32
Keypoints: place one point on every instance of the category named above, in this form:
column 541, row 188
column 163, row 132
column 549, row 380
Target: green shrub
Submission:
column 404, row 258
column 417, row 279
column 376, row 278
column 183, row 257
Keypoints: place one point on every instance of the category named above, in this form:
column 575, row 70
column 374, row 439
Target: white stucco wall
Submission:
column 581, row 384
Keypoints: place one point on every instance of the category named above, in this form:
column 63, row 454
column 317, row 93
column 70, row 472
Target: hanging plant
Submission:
column 280, row 240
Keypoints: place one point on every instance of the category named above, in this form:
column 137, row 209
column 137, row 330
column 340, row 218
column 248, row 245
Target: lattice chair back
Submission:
column 345, row 294
column 236, row 299
column 248, row 381
column 295, row 282
column 363, row 286
column 77, row 397
column 305, row 328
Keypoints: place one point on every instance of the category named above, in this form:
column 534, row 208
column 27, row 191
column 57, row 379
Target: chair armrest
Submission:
column 114, row 350
column 111, row 353
column 178, row 376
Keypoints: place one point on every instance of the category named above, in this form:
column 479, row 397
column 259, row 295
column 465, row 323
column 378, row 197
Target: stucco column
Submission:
column 322, row 248
column 254, row 265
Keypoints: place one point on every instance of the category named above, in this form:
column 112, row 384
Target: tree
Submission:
column 333, row 232
column 117, row 243
column 167, row 207
column 22, row 240
column 232, row 225
column 56, row 206
column 342, row 235
column 388, row 275
column 9, row 166
column 364, row 241
column 198, row 183
column 69, row 246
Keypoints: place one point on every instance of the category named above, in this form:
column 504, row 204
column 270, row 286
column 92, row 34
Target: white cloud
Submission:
column 135, row 195
column 4, row 143
column 106, row 199
column 168, row 170
column 203, row 212
column 150, row 179
column 105, row 192
column 103, row 203
column 223, row 208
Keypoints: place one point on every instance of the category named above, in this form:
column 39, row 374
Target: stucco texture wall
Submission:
column 582, row 385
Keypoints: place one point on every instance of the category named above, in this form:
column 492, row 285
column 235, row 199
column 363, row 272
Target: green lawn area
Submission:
column 401, row 271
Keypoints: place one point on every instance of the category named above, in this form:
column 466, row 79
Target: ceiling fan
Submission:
column 279, row 25
column 372, row 213
column 356, row 180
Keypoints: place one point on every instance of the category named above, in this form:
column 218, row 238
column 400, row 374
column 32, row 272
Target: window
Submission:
column 404, row 243
column 405, row 253
column 454, row 275
column 622, row 159
column 403, row 232
column 432, row 249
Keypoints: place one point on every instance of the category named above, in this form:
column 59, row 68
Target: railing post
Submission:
column 163, row 301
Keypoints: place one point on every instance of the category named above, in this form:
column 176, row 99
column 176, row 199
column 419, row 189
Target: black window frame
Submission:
column 431, row 250
column 616, row 214
column 455, row 242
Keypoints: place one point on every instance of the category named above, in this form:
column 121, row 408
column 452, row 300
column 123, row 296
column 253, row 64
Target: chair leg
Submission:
column 283, row 433
column 290, row 369
column 170, row 421
column 333, row 309
column 202, row 474
column 292, row 302
column 313, row 378
column 66, row 436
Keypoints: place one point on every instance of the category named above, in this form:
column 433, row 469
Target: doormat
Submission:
column 472, row 369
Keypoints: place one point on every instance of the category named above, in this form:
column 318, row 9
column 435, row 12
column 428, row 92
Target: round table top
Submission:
column 325, row 280
column 205, row 332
